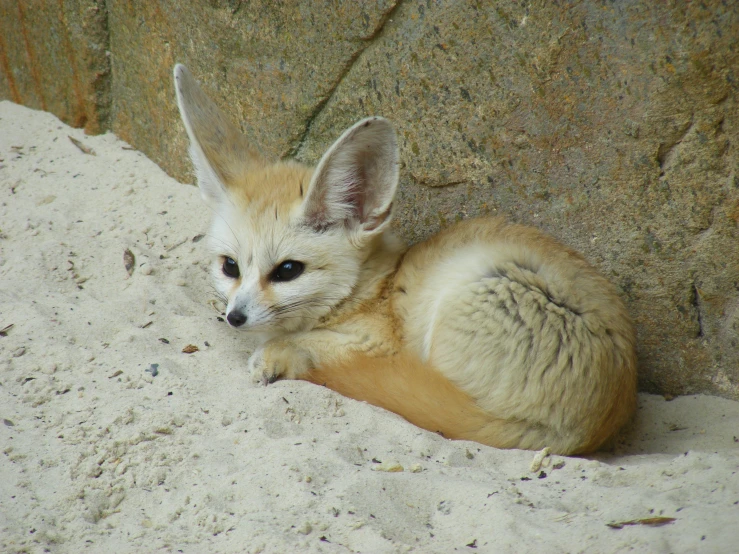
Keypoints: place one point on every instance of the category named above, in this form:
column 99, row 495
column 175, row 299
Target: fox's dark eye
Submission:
column 287, row 271
column 230, row 268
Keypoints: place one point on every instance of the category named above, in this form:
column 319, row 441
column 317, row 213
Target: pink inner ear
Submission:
column 356, row 192
column 356, row 179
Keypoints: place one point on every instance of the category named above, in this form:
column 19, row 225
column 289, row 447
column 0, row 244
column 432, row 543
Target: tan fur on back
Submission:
column 487, row 331
column 533, row 333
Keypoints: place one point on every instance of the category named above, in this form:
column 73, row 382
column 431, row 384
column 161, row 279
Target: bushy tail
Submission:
column 405, row 385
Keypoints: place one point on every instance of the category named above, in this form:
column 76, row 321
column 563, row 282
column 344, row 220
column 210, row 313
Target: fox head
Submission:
column 289, row 242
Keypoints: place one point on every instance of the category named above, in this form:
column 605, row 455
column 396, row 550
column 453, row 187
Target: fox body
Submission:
column 488, row 331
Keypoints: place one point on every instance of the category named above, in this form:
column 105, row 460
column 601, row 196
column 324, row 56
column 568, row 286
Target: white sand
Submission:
column 100, row 456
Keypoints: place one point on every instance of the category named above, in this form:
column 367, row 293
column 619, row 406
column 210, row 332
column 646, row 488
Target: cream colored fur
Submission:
column 488, row 331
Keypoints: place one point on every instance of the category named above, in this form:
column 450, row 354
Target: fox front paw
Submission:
column 272, row 362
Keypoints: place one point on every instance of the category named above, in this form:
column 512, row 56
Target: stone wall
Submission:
column 612, row 125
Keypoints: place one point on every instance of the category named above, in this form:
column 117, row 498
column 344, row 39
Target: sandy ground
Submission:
column 114, row 440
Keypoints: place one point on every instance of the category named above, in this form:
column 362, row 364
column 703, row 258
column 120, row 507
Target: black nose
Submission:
column 236, row 318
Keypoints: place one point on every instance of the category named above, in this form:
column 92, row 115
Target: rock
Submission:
column 612, row 126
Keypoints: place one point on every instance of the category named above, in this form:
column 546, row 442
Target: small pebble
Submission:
column 389, row 468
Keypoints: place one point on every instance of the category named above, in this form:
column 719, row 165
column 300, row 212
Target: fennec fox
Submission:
column 488, row 331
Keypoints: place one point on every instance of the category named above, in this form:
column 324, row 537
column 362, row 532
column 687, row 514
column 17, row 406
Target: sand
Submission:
column 115, row 440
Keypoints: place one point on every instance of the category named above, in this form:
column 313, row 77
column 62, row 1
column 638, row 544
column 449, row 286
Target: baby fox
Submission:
column 488, row 331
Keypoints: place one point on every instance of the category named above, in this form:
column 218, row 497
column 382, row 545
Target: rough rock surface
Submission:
column 613, row 126
column 54, row 57
column 270, row 65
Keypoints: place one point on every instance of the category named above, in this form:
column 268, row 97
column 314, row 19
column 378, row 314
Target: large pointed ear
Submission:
column 355, row 181
column 218, row 150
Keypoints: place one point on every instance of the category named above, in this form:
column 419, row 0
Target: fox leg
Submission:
column 404, row 384
column 291, row 356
